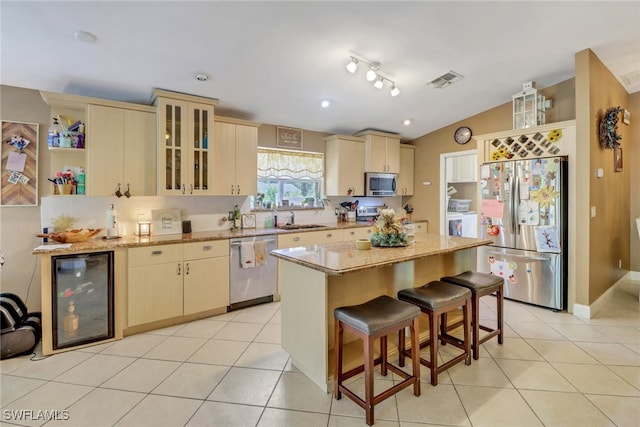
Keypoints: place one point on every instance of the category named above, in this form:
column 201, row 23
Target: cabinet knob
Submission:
column 183, row 189
column 186, row 269
column 179, row 269
column 238, row 189
column 296, row 239
column 156, row 253
column 206, row 248
column 232, row 189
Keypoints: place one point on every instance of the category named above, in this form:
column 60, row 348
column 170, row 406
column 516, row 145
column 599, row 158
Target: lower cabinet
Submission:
column 167, row 281
column 357, row 233
column 206, row 276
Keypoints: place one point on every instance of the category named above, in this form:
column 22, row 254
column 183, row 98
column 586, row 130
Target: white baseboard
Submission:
column 588, row 311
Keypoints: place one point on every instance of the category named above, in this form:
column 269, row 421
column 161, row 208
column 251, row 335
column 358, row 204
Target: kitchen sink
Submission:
column 301, row 226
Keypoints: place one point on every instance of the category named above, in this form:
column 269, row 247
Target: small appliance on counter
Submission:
column 368, row 213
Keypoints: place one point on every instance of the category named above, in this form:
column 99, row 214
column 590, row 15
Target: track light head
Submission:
column 378, row 83
column 394, row 90
column 353, row 65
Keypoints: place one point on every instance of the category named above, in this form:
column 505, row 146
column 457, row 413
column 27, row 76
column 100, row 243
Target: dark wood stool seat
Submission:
column 369, row 321
column 435, row 299
column 481, row 284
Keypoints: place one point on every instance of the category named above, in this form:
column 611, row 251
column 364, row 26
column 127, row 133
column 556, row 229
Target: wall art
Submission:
column 19, row 164
column 289, row 138
column 617, row 159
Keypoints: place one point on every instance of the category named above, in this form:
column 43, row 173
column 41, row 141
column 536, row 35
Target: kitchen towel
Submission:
column 247, row 255
column 260, row 249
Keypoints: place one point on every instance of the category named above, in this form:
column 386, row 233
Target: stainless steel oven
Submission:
column 380, row 184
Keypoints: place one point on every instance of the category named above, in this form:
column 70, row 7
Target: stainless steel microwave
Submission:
column 380, row 184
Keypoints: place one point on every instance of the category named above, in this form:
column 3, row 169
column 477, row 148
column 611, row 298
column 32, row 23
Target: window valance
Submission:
column 274, row 163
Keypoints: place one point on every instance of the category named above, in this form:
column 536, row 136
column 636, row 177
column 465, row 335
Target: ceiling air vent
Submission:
column 445, row 80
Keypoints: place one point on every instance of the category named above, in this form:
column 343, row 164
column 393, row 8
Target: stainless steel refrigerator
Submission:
column 523, row 209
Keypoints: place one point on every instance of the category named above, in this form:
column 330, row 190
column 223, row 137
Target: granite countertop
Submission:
column 343, row 257
column 98, row 243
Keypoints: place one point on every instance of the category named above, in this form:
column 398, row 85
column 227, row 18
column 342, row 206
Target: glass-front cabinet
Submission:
column 184, row 149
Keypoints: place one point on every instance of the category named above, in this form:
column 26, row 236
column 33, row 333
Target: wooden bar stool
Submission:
column 435, row 299
column 481, row 284
column 369, row 321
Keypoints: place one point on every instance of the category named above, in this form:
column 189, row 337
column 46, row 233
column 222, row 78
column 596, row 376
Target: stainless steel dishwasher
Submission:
column 255, row 285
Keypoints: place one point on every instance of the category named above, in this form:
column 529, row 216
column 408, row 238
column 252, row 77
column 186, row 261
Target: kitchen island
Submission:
column 314, row 280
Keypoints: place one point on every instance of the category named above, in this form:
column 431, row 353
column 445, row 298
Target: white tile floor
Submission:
column 554, row 369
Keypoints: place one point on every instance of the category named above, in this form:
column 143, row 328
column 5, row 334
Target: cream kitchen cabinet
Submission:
column 121, row 153
column 381, row 152
column 290, row 240
column 421, row 228
column 235, row 161
column 185, row 124
column 405, row 177
column 154, row 285
column 344, row 165
column 462, row 168
column 168, row 281
column 356, row 233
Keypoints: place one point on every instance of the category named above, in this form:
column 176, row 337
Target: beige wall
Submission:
column 19, row 225
column 426, row 199
column 311, row 141
column 609, row 230
column 632, row 159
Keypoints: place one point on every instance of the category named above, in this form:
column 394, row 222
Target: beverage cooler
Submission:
column 82, row 298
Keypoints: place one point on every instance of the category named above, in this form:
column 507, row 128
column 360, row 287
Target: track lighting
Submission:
column 372, row 74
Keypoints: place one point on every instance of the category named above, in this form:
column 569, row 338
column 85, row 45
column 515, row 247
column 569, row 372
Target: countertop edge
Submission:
column 98, row 243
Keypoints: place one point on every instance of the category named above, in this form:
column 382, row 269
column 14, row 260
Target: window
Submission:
column 289, row 178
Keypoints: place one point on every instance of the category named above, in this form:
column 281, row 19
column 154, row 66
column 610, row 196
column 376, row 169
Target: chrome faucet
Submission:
column 292, row 221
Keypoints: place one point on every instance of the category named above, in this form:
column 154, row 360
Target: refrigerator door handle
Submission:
column 525, row 257
column 515, row 199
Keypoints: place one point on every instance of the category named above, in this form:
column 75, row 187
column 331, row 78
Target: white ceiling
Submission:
column 273, row 62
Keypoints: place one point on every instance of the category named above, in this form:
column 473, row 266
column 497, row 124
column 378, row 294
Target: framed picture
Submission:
column 166, row 221
column 289, row 138
column 626, row 117
column 19, row 165
column 617, row 159
column 248, row 220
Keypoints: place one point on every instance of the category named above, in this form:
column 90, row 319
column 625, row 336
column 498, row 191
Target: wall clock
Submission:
column 248, row 220
column 462, row 135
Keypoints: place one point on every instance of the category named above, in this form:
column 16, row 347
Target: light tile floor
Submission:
column 554, row 369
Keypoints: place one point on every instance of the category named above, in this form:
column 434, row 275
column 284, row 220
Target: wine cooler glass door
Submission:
column 82, row 298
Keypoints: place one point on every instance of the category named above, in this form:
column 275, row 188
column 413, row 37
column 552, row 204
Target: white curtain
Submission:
column 278, row 164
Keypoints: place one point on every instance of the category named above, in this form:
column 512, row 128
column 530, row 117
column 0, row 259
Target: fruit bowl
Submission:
column 73, row 236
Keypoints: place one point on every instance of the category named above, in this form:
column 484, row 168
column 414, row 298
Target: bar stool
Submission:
column 435, row 299
column 481, row 284
column 369, row 321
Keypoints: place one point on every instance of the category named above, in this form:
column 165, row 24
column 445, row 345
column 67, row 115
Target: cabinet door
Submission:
column 405, row 177
column 172, row 139
column 246, row 162
column 325, row 236
column 105, row 165
column 206, row 284
column 139, row 148
column 375, row 154
column 224, row 158
column 344, row 167
column 392, row 154
column 198, row 164
column 154, row 293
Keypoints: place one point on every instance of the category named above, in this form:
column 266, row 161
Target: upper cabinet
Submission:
column 463, row 168
column 381, row 152
column 405, row 177
column 344, row 165
column 235, row 157
column 185, row 123
column 121, row 156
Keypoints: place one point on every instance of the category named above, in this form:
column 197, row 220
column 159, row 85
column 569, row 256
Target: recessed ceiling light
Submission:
column 325, row 103
column 202, row 77
column 85, row 36
column 407, row 122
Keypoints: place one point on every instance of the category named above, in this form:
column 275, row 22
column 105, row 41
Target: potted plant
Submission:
column 388, row 230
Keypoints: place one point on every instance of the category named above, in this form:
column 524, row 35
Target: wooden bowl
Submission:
column 73, row 236
column 363, row 244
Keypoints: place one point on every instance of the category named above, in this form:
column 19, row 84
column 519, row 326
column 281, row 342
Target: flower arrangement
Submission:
column 388, row 230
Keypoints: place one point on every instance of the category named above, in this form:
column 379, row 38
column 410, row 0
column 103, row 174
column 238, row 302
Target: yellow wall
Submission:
column 632, row 160
column 426, row 199
column 609, row 230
